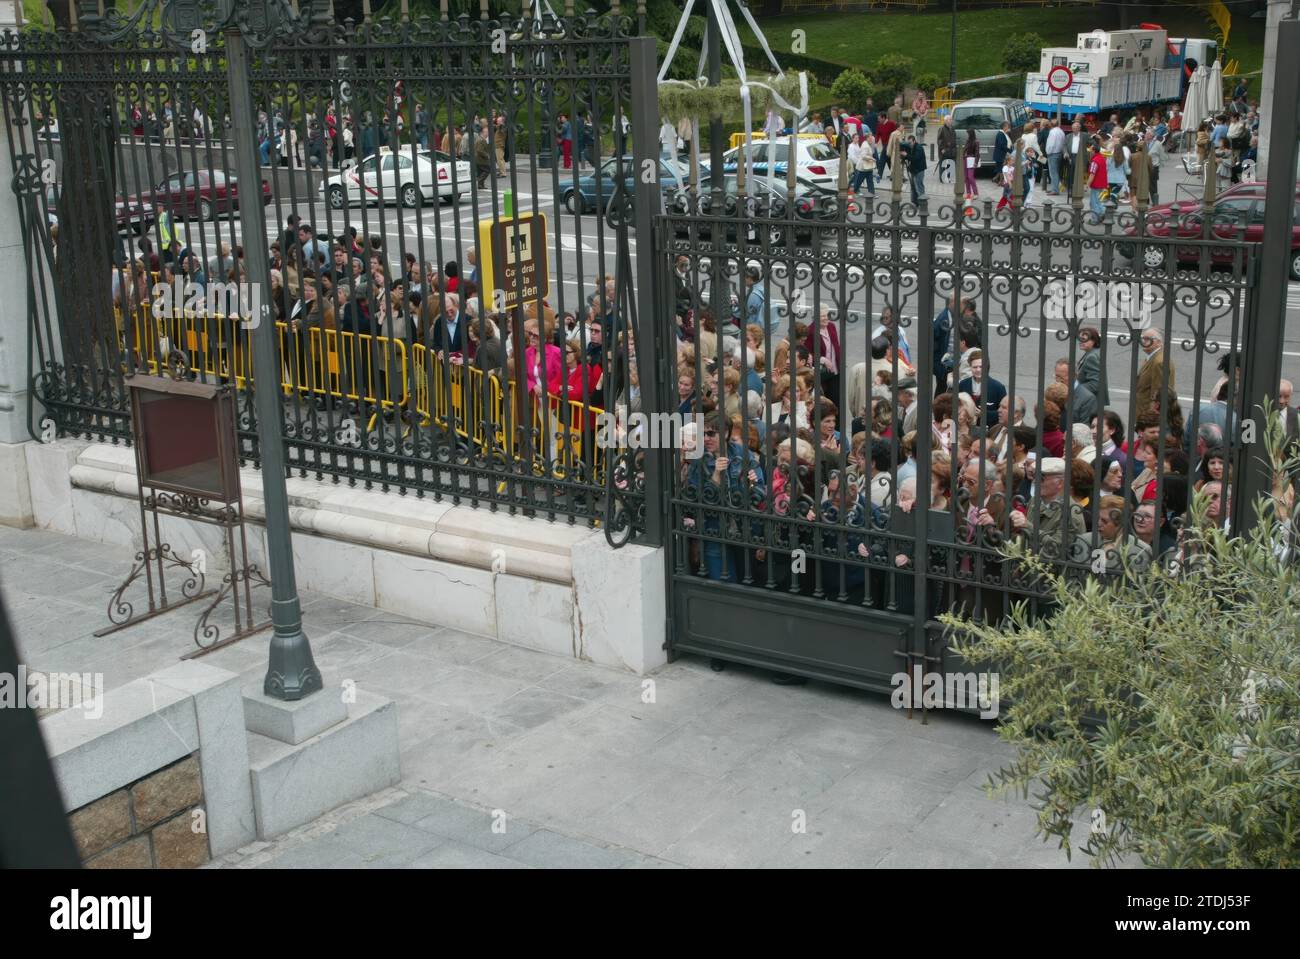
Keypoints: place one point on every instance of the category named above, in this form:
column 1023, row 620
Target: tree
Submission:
column 1163, row 706
column 890, row 74
column 929, row 82
column 852, row 89
column 1022, row 53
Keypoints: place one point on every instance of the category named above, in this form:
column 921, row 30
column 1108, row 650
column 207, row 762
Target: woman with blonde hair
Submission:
column 754, row 337
column 940, row 481
column 781, row 358
column 789, row 481
column 790, row 405
column 489, row 351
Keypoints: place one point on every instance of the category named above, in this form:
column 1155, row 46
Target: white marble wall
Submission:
column 546, row 586
column 622, row 605
column 48, row 468
column 537, row 614
column 15, row 492
column 438, row 592
column 14, row 322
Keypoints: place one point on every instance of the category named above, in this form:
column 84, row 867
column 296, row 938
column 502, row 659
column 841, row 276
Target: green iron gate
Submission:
column 782, row 563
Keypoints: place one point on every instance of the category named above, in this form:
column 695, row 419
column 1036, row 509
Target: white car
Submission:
column 815, row 160
column 405, row 177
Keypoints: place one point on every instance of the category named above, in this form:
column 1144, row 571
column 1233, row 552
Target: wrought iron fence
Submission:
column 829, row 340
column 389, row 148
column 815, row 346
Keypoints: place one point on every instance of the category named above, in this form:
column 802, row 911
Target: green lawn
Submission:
column 857, row 39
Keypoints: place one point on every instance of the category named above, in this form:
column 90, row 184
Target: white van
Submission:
column 985, row 116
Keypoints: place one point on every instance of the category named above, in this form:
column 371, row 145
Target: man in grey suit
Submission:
column 1083, row 402
column 1089, row 376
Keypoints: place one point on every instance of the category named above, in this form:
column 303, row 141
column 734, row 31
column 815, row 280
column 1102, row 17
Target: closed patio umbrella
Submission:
column 1214, row 91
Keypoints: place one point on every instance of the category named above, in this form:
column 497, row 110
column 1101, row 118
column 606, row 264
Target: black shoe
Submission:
column 787, row 679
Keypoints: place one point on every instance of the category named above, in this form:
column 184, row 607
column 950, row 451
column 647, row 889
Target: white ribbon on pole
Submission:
column 730, row 39
column 677, row 39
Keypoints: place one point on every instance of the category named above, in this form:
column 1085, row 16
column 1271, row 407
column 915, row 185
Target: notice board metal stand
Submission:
column 187, row 464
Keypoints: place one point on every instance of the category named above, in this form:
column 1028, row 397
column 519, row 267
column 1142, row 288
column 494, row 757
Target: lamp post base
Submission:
column 292, row 672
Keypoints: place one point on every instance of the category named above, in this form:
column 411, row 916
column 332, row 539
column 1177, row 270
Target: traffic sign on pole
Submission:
column 1059, row 78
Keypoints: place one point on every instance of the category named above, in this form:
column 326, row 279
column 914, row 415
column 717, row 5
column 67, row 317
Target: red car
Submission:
column 199, row 194
column 131, row 216
column 1238, row 215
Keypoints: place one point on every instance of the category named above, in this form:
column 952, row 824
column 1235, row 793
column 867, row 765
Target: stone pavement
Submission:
column 517, row 758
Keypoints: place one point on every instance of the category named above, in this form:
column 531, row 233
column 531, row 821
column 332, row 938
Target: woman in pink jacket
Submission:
column 550, row 355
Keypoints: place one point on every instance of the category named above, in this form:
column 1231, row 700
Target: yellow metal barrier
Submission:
column 373, row 371
column 945, row 98
column 569, row 424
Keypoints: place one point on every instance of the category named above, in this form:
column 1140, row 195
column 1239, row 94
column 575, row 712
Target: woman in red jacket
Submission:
column 829, row 351
column 885, row 128
column 583, row 381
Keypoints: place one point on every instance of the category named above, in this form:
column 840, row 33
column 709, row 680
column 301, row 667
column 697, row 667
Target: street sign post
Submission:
column 513, row 260
column 1059, row 79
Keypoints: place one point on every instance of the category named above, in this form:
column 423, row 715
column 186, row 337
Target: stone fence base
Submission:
column 543, row 585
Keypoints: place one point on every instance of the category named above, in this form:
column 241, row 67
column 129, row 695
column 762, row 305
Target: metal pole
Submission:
column 952, row 70
column 646, row 204
column 918, row 642
column 719, row 294
column 1262, row 369
column 291, row 673
column 714, row 41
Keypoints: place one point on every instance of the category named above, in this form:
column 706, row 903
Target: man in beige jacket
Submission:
column 1150, row 379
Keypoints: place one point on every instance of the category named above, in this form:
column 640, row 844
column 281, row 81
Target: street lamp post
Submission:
column 291, row 673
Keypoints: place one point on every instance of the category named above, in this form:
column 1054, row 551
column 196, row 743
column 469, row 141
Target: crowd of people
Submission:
column 788, row 427
column 790, row 430
column 1045, row 151
column 349, row 284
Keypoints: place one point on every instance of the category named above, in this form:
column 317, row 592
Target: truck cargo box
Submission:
column 1085, row 64
column 1102, row 94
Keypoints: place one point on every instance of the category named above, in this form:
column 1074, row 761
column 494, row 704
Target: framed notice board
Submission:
column 185, row 437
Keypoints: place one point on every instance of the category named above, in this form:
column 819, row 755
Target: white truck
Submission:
column 1117, row 70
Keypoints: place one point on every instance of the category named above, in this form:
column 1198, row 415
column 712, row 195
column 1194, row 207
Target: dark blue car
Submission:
column 582, row 196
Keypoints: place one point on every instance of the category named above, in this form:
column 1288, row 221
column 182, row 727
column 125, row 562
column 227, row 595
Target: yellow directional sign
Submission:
column 512, row 259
